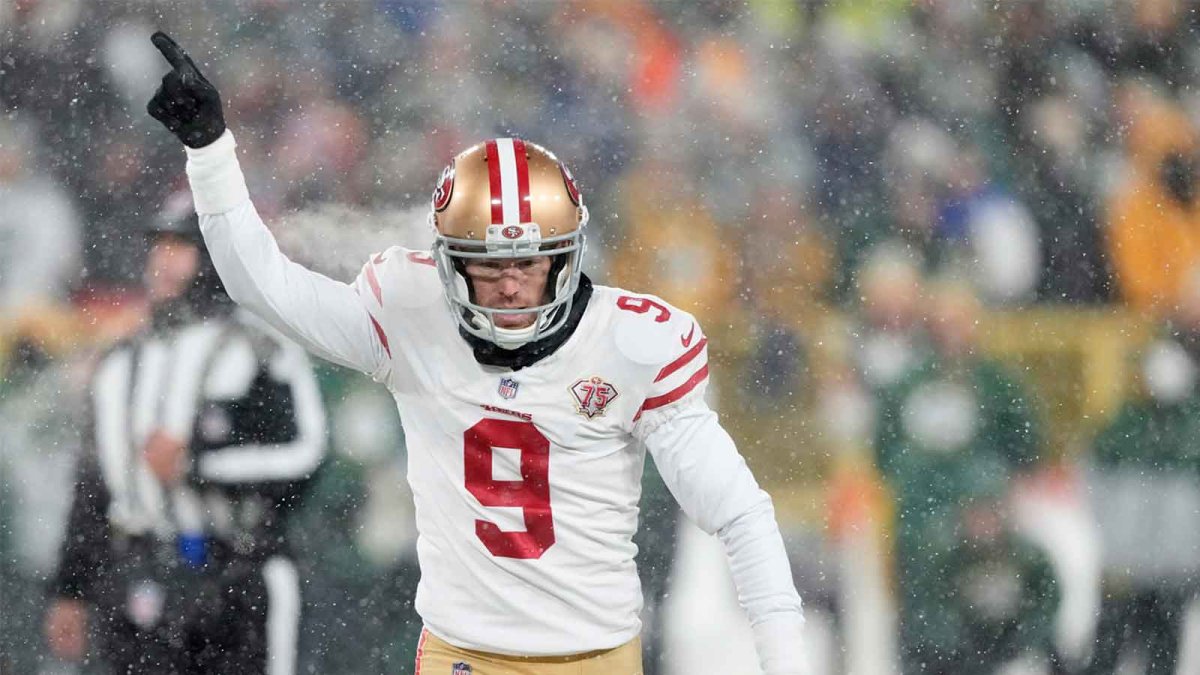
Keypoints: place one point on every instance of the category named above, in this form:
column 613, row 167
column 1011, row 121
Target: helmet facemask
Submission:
column 565, row 251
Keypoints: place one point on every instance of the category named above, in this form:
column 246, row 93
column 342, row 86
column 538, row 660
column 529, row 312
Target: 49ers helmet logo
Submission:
column 569, row 180
column 441, row 195
column 513, row 232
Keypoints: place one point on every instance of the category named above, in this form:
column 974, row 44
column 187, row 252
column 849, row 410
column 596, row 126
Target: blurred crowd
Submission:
column 845, row 192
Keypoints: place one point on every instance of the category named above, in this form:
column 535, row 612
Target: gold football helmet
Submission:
column 508, row 198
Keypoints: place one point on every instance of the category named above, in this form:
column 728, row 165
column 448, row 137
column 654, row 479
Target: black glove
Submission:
column 186, row 102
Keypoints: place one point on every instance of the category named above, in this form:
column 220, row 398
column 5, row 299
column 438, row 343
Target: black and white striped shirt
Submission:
column 245, row 403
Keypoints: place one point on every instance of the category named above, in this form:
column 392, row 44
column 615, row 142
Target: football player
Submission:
column 526, row 393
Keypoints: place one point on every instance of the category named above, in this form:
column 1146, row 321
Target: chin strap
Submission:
column 491, row 354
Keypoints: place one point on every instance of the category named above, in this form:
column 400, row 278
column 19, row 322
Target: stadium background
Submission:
column 944, row 249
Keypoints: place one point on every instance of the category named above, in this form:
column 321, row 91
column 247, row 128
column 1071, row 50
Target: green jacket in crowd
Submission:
column 1147, row 469
column 950, row 438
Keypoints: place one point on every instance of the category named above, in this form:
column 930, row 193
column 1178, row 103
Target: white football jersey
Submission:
column 527, row 483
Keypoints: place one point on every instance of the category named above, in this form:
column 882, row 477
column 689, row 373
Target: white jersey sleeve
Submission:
column 330, row 318
column 704, row 471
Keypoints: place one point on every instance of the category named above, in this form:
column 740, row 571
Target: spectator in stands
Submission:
column 945, row 204
column 917, row 163
column 983, row 231
column 39, row 227
column 889, row 342
column 321, row 146
column 1147, row 484
column 1158, row 39
column 674, row 246
column 1055, row 178
column 788, row 269
column 849, row 187
column 950, row 437
column 37, row 454
column 1154, row 213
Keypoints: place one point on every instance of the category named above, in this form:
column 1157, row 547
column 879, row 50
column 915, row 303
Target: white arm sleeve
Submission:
column 701, row 465
column 327, row 317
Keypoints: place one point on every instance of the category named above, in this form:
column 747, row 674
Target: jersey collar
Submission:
column 489, row 354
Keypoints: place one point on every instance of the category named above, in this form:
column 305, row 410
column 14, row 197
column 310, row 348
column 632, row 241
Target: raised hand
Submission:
column 186, row 103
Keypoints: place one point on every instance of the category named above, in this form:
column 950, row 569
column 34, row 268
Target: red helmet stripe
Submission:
column 522, row 180
column 492, row 155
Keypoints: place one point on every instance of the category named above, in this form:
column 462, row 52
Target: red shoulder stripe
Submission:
column 682, row 360
column 382, row 336
column 374, row 282
column 673, row 395
column 421, row 258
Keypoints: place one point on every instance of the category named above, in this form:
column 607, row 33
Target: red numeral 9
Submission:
column 643, row 305
column 531, row 494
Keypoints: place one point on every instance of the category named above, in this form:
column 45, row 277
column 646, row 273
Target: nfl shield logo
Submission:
column 508, row 389
column 460, row 668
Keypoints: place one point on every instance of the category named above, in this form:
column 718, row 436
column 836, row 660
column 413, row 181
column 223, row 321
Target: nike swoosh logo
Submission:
column 687, row 341
column 378, row 258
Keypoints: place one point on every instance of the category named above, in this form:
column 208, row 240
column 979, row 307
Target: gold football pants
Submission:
column 435, row 656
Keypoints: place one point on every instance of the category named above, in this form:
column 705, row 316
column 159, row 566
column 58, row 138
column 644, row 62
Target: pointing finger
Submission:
column 171, row 51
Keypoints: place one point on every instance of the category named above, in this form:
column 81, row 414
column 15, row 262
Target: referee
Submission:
column 203, row 430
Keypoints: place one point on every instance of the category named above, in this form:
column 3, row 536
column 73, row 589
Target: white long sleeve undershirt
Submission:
column 709, row 478
column 325, row 316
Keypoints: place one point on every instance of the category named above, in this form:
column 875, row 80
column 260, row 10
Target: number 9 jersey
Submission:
column 526, row 482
